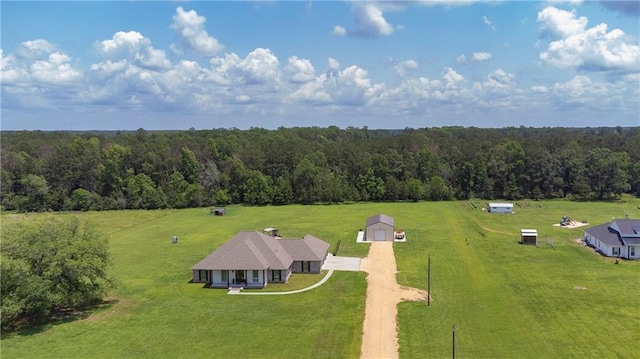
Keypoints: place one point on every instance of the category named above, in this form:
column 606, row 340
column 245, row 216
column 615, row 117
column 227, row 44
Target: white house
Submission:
column 495, row 207
column 619, row 238
column 254, row 259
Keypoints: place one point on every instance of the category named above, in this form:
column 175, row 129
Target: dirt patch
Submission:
column 109, row 308
column 379, row 332
column 580, row 288
column 495, row 231
column 572, row 224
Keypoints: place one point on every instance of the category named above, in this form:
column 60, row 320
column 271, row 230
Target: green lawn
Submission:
column 507, row 300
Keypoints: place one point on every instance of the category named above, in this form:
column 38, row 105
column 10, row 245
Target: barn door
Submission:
column 379, row 235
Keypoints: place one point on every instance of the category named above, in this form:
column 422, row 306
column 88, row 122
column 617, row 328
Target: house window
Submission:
column 632, row 251
column 275, row 276
column 306, row 266
column 615, row 251
column 224, row 276
column 255, row 276
column 203, row 275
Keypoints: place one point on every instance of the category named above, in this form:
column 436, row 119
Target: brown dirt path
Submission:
column 379, row 332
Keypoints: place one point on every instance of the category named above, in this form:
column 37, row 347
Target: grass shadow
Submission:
column 28, row 327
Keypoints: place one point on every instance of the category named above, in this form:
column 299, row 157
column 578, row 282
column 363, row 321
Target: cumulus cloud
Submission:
column 369, row 20
column 451, row 77
column 561, row 23
column 591, row 49
column 481, row 56
column 461, row 59
column 300, row 70
column 190, row 28
column 405, row 66
column 136, row 48
column 348, row 87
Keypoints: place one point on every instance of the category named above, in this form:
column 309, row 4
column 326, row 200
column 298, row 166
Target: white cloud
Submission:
column 190, row 27
column 369, row 20
column 451, row 77
column 593, row 48
column 481, row 56
column 300, row 70
column 405, row 66
column 348, row 87
column 489, row 23
column 339, row 31
column 136, row 48
column 461, row 59
column 561, row 23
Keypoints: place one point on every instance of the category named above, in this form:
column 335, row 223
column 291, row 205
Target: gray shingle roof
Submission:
column 609, row 236
column 255, row 250
column 309, row 248
column 380, row 218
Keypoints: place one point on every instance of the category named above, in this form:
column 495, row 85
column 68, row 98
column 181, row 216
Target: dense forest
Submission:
column 57, row 171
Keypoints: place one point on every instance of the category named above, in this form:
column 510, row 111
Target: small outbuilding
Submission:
column 380, row 228
column 529, row 236
column 221, row 211
column 495, row 207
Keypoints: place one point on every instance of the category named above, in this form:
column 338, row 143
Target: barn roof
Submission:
column 380, row 218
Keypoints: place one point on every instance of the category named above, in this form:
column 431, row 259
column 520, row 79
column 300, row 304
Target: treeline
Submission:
column 157, row 169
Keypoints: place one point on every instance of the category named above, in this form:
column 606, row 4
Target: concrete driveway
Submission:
column 341, row 263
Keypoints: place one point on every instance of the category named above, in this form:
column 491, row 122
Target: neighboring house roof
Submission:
column 255, row 250
column 380, row 218
column 618, row 232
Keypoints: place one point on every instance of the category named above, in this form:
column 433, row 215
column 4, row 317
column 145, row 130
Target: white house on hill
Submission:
column 619, row 238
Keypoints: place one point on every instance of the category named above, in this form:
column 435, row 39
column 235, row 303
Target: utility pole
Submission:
column 429, row 281
column 453, row 346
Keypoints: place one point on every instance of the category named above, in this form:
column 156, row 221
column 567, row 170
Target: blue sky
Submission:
column 176, row 65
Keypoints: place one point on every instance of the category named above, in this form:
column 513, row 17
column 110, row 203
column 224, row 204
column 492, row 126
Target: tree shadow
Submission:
column 31, row 326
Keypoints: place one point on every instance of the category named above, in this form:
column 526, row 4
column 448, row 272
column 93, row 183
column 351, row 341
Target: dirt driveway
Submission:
column 379, row 333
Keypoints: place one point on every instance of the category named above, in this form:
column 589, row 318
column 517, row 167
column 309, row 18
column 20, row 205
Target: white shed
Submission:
column 529, row 236
column 380, row 228
column 495, row 207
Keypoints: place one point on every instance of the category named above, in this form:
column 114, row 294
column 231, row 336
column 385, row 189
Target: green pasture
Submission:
column 507, row 300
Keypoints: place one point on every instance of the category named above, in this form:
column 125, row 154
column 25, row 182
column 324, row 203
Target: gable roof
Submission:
column 255, row 250
column 618, row 232
column 380, row 218
column 247, row 250
column 309, row 248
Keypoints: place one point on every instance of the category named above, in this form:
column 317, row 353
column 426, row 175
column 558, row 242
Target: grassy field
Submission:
column 507, row 300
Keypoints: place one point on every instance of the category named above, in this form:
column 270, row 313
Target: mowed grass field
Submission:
column 507, row 300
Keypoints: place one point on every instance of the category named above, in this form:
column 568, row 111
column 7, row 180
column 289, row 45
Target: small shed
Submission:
column 380, row 228
column 220, row 211
column 529, row 236
column 273, row 232
column 495, row 207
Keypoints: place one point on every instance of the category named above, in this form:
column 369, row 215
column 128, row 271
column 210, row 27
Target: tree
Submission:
column 258, row 189
column 189, row 167
column 49, row 265
column 437, row 189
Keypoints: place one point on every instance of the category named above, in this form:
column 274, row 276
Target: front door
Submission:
column 240, row 278
column 379, row 235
